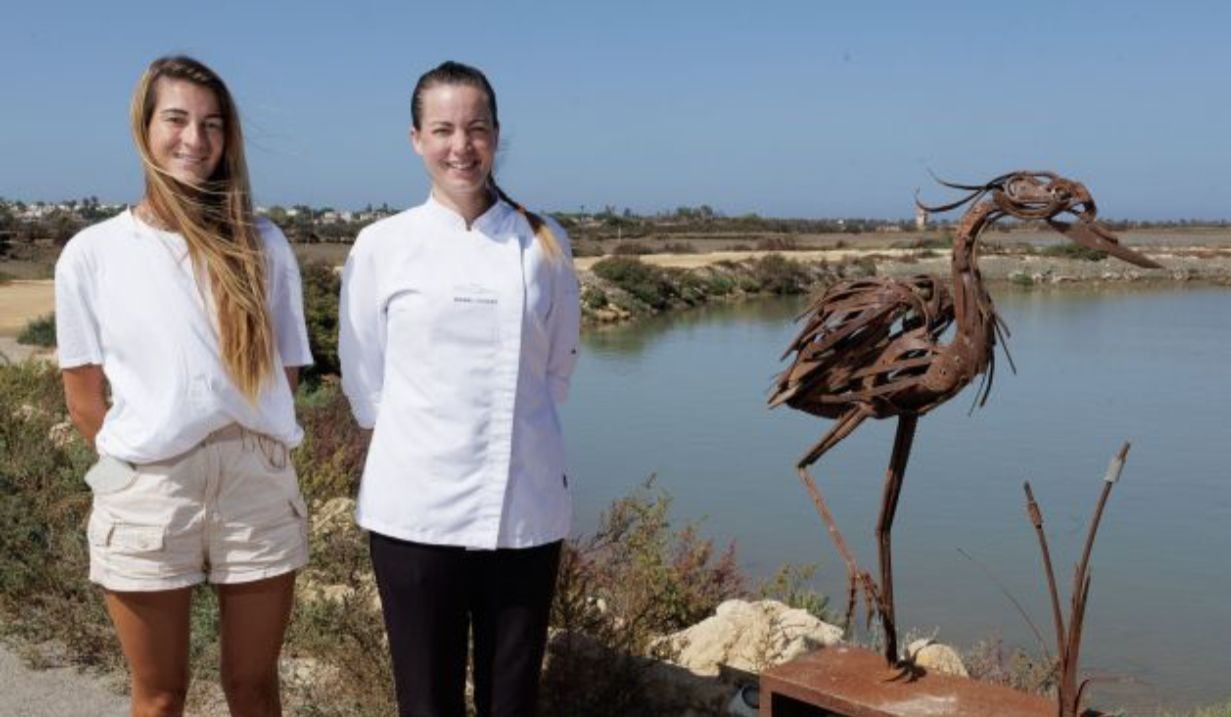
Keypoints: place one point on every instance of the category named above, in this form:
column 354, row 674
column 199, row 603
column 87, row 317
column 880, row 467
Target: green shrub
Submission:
column 330, row 459
column 634, row 579
column 1021, row 278
column 991, row 661
column 719, row 284
column 1073, row 251
column 791, row 584
column 648, row 284
column 778, row 275
column 593, row 297
column 631, row 248
column 44, row 503
column 690, row 286
column 321, row 286
column 778, row 244
column 39, row 332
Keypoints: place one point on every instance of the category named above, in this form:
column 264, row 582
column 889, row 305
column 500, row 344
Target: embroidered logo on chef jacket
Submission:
column 473, row 294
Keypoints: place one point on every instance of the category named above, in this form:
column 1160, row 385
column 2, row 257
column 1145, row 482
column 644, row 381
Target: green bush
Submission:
column 593, row 297
column 631, row 248
column 39, row 332
column 44, row 503
column 778, row 244
column 719, row 284
column 631, row 581
column 321, row 286
column 791, row 585
column 1073, row 251
column 648, row 284
column 778, row 275
column 690, row 286
column 330, row 459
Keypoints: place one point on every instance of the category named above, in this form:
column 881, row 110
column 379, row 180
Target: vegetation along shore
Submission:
column 629, row 589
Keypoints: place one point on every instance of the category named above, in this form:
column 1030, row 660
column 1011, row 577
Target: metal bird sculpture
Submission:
column 873, row 348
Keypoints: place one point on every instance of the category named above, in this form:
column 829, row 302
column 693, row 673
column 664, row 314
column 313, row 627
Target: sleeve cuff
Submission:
column 78, row 361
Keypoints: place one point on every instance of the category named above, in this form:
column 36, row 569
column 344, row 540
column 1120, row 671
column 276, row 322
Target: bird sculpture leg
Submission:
column 845, row 424
column 884, row 526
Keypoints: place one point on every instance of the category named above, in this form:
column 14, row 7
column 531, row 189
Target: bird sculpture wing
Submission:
column 864, row 341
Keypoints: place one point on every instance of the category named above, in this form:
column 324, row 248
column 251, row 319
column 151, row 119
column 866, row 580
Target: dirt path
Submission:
column 54, row 692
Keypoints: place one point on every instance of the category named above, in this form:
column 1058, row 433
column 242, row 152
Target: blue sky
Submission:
column 812, row 109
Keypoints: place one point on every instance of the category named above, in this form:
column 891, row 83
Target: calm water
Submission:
column 684, row 398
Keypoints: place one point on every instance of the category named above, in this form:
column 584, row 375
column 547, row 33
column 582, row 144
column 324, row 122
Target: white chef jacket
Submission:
column 456, row 344
column 127, row 299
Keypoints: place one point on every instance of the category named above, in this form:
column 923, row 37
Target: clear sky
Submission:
column 807, row 108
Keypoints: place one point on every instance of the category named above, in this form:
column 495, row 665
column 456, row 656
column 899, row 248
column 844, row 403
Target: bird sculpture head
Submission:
column 1064, row 204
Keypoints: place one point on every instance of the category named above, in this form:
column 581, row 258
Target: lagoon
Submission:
column 683, row 397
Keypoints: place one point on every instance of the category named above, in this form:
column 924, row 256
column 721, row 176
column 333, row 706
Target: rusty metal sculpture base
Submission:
column 854, row 682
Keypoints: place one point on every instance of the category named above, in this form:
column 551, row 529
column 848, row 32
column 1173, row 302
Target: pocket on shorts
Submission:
column 110, row 475
column 299, row 507
column 125, row 538
column 300, row 510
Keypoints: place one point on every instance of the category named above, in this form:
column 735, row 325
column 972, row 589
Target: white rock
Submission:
column 749, row 636
column 334, row 515
column 935, row 657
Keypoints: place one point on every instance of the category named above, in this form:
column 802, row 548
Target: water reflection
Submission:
column 685, row 397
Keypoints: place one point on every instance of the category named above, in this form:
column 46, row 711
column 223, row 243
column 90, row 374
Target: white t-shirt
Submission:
column 457, row 344
column 127, row 299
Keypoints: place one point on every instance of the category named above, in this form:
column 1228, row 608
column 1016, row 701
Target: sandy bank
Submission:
column 23, row 300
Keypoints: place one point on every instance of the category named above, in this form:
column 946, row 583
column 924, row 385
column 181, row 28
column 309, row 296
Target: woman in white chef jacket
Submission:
column 459, row 327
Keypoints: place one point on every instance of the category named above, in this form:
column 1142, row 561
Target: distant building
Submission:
column 921, row 218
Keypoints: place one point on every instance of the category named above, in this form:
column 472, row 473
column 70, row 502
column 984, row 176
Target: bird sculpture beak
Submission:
column 1094, row 235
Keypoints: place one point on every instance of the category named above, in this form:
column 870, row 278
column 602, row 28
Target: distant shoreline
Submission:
column 1188, row 257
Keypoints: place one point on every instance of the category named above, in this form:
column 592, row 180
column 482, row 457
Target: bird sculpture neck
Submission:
column 973, row 311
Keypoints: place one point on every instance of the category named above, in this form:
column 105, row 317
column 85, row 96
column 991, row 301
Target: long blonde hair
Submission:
column 217, row 223
column 456, row 73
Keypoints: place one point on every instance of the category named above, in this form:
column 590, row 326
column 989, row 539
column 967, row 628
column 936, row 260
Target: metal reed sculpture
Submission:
column 1068, row 637
column 873, row 348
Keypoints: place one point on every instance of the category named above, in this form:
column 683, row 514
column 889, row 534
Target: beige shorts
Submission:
column 229, row 509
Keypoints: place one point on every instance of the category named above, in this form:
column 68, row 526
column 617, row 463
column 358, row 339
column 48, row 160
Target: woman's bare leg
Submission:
column 153, row 631
column 254, row 617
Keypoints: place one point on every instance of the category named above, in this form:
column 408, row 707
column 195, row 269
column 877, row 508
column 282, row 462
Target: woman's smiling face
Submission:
column 187, row 132
column 457, row 138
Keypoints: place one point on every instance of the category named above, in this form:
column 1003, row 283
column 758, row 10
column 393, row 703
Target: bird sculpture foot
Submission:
column 907, row 670
column 860, row 582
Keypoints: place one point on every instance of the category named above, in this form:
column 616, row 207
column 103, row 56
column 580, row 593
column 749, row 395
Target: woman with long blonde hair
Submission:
column 187, row 311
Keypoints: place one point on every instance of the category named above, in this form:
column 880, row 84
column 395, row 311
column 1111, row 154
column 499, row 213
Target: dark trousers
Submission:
column 433, row 596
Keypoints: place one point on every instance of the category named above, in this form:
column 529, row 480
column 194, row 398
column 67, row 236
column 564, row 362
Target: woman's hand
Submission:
column 85, row 392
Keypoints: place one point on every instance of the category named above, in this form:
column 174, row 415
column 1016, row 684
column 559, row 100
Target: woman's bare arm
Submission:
column 85, row 392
